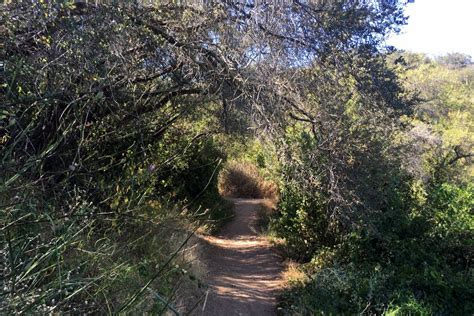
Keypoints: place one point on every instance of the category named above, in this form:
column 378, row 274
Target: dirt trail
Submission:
column 244, row 273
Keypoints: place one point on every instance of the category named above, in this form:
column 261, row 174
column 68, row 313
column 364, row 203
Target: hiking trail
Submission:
column 244, row 272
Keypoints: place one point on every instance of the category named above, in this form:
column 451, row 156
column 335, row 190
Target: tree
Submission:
column 91, row 91
column 455, row 60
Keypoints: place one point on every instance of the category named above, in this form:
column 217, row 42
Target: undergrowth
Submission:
column 418, row 265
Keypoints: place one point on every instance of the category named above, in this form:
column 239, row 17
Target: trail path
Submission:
column 244, row 273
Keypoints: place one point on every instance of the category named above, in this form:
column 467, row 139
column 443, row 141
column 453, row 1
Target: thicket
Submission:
column 107, row 168
column 398, row 240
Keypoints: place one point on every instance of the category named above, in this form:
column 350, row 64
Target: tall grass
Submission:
column 243, row 179
column 93, row 263
column 103, row 174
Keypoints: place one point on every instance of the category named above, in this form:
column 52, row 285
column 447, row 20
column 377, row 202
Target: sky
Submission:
column 437, row 27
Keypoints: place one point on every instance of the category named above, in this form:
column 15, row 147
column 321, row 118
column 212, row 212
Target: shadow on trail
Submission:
column 244, row 273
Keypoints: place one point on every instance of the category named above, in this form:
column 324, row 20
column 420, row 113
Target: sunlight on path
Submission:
column 244, row 271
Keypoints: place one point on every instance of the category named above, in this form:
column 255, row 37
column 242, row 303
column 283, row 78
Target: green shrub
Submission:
column 450, row 208
column 418, row 265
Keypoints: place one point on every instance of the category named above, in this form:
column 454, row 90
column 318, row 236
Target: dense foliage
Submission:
column 403, row 244
column 116, row 119
column 104, row 171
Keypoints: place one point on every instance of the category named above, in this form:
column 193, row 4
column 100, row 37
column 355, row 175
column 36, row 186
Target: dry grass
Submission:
column 293, row 274
column 190, row 295
column 243, row 179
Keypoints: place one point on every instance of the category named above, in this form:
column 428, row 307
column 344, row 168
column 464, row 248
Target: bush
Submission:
column 419, row 265
column 94, row 201
column 243, row 179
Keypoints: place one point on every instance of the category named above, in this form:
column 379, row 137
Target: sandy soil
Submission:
column 244, row 273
